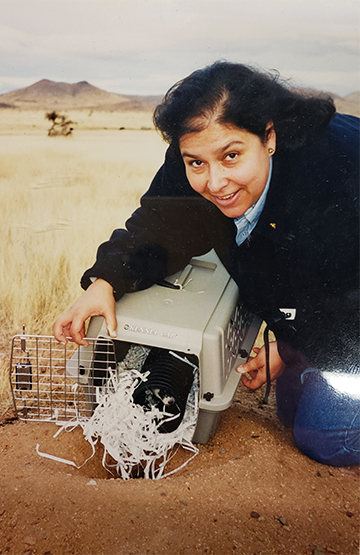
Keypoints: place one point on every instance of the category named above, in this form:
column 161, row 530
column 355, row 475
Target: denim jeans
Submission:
column 323, row 408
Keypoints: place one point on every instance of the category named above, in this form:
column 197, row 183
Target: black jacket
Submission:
column 303, row 253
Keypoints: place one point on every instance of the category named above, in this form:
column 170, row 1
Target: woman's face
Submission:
column 228, row 166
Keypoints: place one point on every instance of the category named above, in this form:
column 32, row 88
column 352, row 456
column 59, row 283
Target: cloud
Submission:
column 144, row 43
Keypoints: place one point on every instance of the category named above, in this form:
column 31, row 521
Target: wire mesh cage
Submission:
column 50, row 381
column 43, row 388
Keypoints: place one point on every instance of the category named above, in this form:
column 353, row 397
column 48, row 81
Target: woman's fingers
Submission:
column 110, row 320
column 61, row 328
column 255, row 382
column 254, row 363
column 77, row 330
column 98, row 300
column 255, row 367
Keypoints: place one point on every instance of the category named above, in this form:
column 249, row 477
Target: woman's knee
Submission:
column 327, row 422
column 338, row 447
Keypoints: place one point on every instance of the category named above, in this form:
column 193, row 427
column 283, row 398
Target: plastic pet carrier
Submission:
column 193, row 319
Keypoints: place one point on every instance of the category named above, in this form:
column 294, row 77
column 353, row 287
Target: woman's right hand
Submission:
column 97, row 300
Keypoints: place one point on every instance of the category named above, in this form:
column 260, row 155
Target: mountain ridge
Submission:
column 53, row 95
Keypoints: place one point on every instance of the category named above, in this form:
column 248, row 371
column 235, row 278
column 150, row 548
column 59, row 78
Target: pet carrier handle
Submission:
column 168, row 284
column 180, row 282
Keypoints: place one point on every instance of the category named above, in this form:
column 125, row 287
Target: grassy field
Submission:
column 62, row 197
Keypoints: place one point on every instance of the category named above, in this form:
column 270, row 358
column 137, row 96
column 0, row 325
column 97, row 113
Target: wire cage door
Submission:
column 51, row 381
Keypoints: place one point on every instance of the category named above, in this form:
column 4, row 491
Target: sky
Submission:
column 144, row 46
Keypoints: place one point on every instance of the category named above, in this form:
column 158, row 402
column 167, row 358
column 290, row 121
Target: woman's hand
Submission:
column 256, row 367
column 98, row 300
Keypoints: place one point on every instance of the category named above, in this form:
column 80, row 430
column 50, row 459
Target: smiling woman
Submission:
column 228, row 166
column 268, row 177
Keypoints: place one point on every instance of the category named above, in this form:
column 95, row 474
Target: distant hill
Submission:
column 349, row 104
column 50, row 95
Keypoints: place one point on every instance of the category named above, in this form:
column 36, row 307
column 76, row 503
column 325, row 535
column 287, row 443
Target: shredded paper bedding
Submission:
column 129, row 433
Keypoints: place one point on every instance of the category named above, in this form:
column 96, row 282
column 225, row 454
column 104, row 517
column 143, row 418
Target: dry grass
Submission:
column 33, row 122
column 62, row 197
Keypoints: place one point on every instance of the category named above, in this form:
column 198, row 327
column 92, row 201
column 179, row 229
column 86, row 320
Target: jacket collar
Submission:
column 276, row 221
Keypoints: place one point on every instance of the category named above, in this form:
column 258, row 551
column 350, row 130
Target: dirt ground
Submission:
column 249, row 491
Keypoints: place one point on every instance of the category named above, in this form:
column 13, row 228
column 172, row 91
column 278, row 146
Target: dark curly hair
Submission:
column 240, row 95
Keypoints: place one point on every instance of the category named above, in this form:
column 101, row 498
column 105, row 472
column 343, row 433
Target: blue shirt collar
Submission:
column 246, row 223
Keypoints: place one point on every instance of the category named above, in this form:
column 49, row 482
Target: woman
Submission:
column 268, row 177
